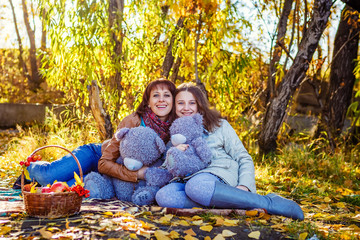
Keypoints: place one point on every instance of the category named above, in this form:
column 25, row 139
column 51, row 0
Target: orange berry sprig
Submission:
column 30, row 159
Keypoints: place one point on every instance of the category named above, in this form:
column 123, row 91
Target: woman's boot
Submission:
column 226, row 196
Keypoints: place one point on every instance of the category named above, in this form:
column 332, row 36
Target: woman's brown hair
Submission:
column 211, row 116
column 146, row 96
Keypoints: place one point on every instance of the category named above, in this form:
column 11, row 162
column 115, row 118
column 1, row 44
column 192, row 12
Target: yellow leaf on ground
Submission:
column 207, row 238
column 161, row 235
column 255, row 235
column 166, row 218
column 190, row 232
column 174, row 235
column 198, row 222
column 251, row 213
column 206, row 228
column 188, row 237
column 229, row 222
column 228, row 233
column 340, row 205
column 219, row 220
column 108, row 213
column 133, row 236
column 302, row 236
column 327, row 200
column 219, row 237
column 45, row 234
column 183, row 223
column 196, row 217
column 5, row 230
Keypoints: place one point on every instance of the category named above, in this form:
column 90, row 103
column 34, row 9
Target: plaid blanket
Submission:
column 11, row 202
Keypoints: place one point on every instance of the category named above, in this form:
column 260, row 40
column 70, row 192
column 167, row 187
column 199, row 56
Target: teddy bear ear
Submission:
column 121, row 133
column 198, row 119
column 161, row 145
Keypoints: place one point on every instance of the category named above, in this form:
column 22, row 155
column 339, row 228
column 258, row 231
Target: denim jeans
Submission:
column 63, row 169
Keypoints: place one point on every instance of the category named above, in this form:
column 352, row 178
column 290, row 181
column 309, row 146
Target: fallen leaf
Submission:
column 252, row 213
column 255, row 235
column 302, row 236
column 207, row 238
column 327, row 200
column 161, row 235
column 219, row 237
column 228, row 222
column 133, row 236
column 183, row 223
column 108, row 213
column 45, row 234
column 198, row 222
column 190, row 232
column 188, row 237
column 5, row 230
column 196, row 217
column 206, row 228
column 166, row 218
column 228, row 233
column 174, row 235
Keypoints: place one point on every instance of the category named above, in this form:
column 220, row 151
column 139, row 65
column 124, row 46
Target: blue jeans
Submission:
column 63, row 169
column 197, row 191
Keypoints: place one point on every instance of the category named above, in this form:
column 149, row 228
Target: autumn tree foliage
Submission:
column 117, row 47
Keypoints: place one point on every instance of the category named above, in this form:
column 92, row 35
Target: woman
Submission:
column 229, row 181
column 155, row 111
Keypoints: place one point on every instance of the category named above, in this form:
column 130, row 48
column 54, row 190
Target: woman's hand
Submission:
column 242, row 187
column 141, row 173
column 182, row 147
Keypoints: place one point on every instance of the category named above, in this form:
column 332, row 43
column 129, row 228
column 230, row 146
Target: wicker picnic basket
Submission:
column 55, row 204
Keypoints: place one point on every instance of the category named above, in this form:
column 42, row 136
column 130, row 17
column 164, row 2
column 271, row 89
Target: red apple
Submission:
column 45, row 190
column 59, row 187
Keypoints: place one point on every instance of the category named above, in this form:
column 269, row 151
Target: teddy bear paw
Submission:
column 144, row 196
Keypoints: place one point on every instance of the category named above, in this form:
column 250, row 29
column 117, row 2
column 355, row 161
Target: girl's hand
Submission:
column 242, row 187
column 141, row 173
column 182, row 147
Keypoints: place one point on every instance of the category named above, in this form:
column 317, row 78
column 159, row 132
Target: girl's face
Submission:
column 185, row 104
column 161, row 101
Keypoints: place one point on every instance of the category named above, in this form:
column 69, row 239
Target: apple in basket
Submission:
column 59, row 187
column 45, row 190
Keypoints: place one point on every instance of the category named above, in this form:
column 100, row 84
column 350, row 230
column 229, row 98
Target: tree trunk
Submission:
column 102, row 119
column 176, row 67
column 355, row 4
column 35, row 79
column 197, row 78
column 21, row 53
column 116, row 10
column 342, row 76
column 292, row 36
column 275, row 111
column 281, row 32
column 169, row 58
column 43, row 35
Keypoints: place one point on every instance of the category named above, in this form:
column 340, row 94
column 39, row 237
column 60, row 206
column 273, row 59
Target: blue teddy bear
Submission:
column 187, row 130
column 139, row 146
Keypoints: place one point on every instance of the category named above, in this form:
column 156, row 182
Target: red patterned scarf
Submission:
column 154, row 122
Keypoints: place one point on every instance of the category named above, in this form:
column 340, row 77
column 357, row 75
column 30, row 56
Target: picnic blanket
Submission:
column 11, row 202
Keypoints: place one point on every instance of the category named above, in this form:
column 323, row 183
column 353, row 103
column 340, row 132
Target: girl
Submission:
column 229, row 181
column 155, row 111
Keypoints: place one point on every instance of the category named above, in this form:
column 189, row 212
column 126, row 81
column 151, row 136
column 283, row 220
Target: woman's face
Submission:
column 185, row 104
column 161, row 101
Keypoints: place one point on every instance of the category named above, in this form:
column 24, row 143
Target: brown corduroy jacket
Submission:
column 110, row 153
